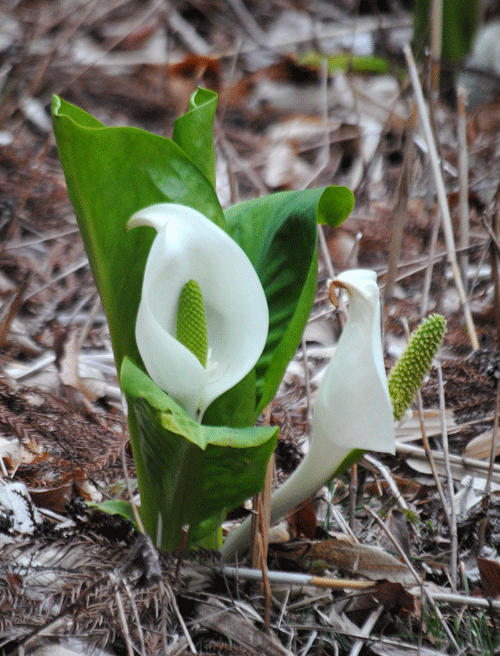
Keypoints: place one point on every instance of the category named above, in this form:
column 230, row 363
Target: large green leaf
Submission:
column 111, row 173
column 194, row 132
column 199, row 472
column 279, row 235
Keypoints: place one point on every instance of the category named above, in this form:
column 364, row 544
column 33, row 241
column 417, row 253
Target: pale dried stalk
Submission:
column 324, row 158
column 307, row 386
column 436, row 40
column 72, row 268
column 399, row 212
column 452, row 515
column 185, row 630
column 471, row 463
column 323, row 247
column 463, row 182
column 441, row 194
column 485, row 504
column 261, row 523
column 184, row 29
column 292, row 578
column 464, row 600
column 432, row 259
column 430, row 457
column 249, row 23
column 388, row 478
column 123, row 621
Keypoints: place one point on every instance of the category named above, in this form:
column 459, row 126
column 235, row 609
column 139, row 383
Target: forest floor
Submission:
column 428, row 541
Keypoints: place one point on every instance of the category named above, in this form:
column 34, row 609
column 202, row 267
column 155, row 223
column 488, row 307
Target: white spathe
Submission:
column 352, row 410
column 191, row 247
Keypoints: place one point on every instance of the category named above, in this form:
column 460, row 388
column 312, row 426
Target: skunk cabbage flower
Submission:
column 352, row 409
column 203, row 318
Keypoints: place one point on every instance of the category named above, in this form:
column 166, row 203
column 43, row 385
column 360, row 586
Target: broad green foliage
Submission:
column 112, row 173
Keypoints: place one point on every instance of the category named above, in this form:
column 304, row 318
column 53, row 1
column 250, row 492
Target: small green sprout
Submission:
column 405, row 378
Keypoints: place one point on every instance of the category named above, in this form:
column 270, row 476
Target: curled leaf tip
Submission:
column 405, row 378
column 192, row 321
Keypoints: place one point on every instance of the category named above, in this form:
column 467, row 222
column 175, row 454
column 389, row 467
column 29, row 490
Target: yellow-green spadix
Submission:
column 190, row 247
column 352, row 409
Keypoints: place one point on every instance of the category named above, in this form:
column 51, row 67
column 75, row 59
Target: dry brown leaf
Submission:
column 372, row 562
column 10, row 452
column 238, row 628
column 490, row 576
column 303, row 522
column 393, row 595
column 480, row 447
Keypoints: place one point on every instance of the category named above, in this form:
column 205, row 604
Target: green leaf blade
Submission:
column 194, row 132
column 279, row 235
column 195, row 474
column 112, row 173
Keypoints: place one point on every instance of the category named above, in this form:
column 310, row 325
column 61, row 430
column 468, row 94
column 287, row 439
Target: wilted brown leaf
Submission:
column 303, row 522
column 372, row 562
column 490, row 576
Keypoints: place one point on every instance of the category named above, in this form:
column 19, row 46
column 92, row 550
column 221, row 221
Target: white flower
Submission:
column 352, row 409
column 190, row 247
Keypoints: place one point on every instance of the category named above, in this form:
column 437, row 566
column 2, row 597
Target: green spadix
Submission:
column 192, row 321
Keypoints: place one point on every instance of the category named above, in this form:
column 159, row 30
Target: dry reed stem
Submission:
column 441, row 194
column 389, row 479
column 430, row 458
column 292, row 578
column 463, row 182
column 452, row 515
column 436, row 41
column 485, row 504
column 399, row 211
column 431, row 261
